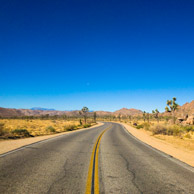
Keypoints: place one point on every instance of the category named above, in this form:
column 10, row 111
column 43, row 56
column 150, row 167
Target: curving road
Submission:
column 105, row 159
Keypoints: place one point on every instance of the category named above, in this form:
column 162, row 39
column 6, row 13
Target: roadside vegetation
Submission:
column 160, row 124
column 168, row 129
column 30, row 126
column 166, row 125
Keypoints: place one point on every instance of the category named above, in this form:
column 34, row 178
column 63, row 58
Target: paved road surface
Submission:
column 107, row 158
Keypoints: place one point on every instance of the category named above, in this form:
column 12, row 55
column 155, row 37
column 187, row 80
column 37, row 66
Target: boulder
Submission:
column 171, row 122
column 179, row 120
column 190, row 120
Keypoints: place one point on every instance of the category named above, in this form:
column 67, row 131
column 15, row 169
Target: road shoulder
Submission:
column 186, row 156
column 10, row 145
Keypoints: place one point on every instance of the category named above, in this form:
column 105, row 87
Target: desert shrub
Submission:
column 1, row 129
column 69, row 127
column 188, row 136
column 146, row 126
column 188, row 128
column 174, row 130
column 50, row 129
column 21, row 133
column 159, row 129
column 139, row 126
column 167, row 130
column 87, row 125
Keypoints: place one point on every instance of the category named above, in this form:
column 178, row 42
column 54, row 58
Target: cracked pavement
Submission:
column 129, row 166
column 126, row 165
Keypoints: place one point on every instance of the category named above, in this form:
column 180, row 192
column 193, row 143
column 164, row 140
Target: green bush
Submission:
column 188, row 128
column 87, row 125
column 174, row 130
column 70, row 127
column 21, row 133
column 146, row 126
column 80, row 122
column 50, row 129
column 139, row 126
column 188, row 136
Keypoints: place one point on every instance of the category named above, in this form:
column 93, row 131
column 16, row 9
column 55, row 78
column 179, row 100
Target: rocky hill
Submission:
column 186, row 109
column 9, row 112
column 127, row 112
column 182, row 111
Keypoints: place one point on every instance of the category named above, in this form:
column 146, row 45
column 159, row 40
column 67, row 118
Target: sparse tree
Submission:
column 148, row 117
column 171, row 107
column 85, row 110
column 144, row 116
column 80, row 122
column 156, row 114
column 167, row 109
column 95, row 117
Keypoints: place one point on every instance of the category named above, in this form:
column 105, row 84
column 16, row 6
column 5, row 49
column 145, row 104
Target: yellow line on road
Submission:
column 92, row 185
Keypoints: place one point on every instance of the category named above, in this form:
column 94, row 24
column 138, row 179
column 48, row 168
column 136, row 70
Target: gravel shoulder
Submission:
column 179, row 152
column 9, row 145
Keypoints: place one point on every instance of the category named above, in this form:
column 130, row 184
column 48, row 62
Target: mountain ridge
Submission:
column 187, row 108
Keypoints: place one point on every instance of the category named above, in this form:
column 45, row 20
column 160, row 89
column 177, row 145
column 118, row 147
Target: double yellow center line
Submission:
column 92, row 186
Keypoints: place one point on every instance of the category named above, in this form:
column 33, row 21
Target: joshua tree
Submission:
column 80, row 113
column 144, row 116
column 85, row 110
column 156, row 114
column 171, row 107
column 95, row 117
column 148, row 117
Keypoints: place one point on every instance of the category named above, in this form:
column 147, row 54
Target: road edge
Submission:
column 170, row 155
column 34, row 140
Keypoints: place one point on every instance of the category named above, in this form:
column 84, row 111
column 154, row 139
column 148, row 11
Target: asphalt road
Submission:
column 107, row 158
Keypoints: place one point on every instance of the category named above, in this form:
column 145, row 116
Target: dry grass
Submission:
column 177, row 135
column 173, row 130
column 186, row 143
column 37, row 127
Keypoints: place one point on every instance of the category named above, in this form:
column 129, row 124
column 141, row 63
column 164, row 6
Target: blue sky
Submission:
column 102, row 54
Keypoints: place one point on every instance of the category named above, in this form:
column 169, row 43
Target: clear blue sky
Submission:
column 102, row 54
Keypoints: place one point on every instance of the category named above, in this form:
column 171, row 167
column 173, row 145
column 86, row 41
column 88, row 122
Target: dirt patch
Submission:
column 178, row 148
column 9, row 145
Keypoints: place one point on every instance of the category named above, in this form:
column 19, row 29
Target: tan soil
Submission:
column 175, row 149
column 9, row 145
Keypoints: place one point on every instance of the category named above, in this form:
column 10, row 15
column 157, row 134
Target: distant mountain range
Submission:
column 39, row 108
column 187, row 108
column 37, row 111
